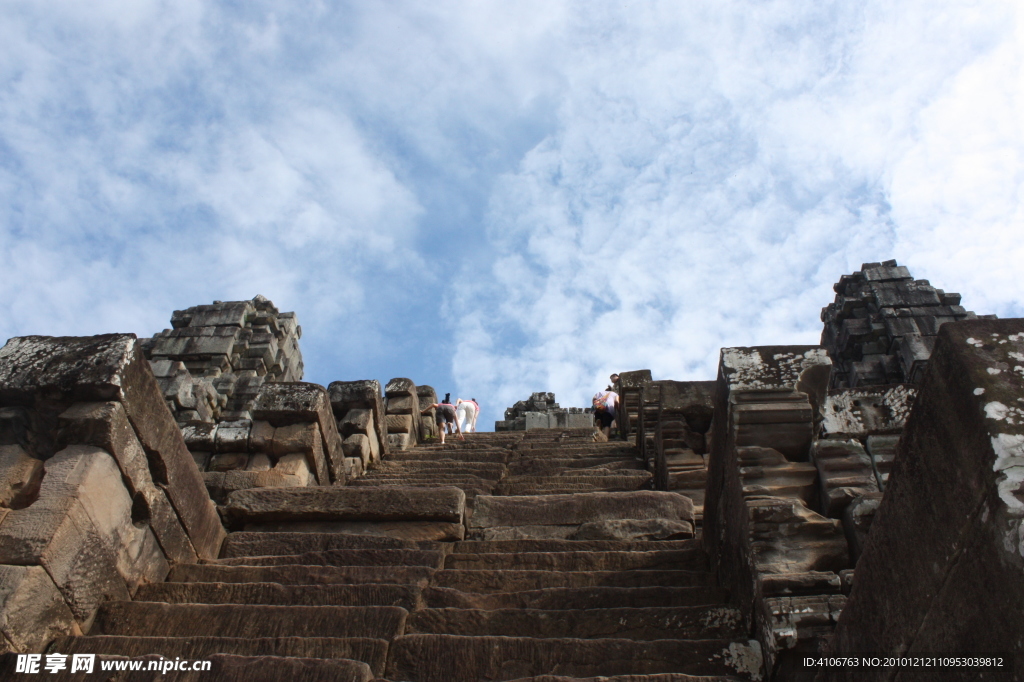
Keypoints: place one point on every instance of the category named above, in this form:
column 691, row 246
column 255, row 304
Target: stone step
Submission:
column 522, row 580
column 572, row 452
column 411, row 473
column 344, row 503
column 537, row 466
column 680, row 560
column 155, row 619
column 499, row 456
column 301, row 575
column 342, row 557
column 494, row 546
column 372, row 652
column 692, row 622
column 405, row 596
column 407, row 531
column 260, row 544
column 554, row 488
column 576, row 509
column 601, row 597
column 470, row 488
column 599, row 476
column 452, row 658
column 483, row 469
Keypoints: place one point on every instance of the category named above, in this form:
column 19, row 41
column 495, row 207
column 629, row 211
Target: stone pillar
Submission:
column 402, row 413
column 780, row 558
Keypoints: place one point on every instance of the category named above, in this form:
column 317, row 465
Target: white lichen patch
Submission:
column 979, row 391
column 745, row 659
column 975, row 342
column 1009, row 467
column 994, row 370
column 1011, row 415
column 1016, row 356
column 1016, row 337
column 749, row 370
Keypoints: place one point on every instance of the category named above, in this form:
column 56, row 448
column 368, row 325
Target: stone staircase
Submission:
column 510, row 556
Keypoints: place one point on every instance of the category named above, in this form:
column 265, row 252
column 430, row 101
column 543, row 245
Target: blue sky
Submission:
column 499, row 198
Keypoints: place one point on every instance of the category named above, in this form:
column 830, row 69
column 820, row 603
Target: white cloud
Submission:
column 720, row 170
column 580, row 188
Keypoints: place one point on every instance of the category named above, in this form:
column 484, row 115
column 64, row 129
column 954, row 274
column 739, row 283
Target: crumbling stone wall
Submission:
column 881, row 327
column 214, row 360
column 359, row 409
column 942, row 570
column 540, row 411
column 98, row 493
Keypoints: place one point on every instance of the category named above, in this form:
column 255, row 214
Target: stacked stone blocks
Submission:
column 100, row 494
column 541, row 411
column 359, row 411
column 881, row 328
column 214, row 360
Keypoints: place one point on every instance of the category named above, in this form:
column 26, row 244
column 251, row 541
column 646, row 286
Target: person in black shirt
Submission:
column 444, row 415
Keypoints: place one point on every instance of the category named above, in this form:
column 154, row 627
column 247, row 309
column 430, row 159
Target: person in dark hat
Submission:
column 444, row 416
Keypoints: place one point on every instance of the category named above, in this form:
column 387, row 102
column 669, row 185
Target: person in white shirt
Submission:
column 468, row 410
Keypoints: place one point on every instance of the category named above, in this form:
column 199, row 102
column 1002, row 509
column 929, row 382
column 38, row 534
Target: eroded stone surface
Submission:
column 32, row 610
column 949, row 525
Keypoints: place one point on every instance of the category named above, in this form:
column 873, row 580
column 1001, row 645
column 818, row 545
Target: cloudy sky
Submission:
column 496, row 198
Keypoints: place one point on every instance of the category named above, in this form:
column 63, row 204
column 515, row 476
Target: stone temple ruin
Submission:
column 542, row 412
column 187, row 498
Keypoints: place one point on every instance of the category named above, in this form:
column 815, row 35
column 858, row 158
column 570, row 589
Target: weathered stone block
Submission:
column 356, row 420
column 347, row 504
column 60, row 536
column 635, row 529
column 400, row 386
column 228, row 461
column 112, row 367
column 346, row 395
column 261, row 437
column 399, row 441
column 91, row 476
column 402, row 404
column 857, row 518
column 786, row 537
column 106, row 426
column 259, row 462
column 399, row 423
column 20, row 476
column 355, row 467
column 284, row 404
column 860, row 412
column 199, row 436
column 233, row 436
column 358, row 446
column 32, row 610
column 949, row 527
column 295, row 438
column 492, row 511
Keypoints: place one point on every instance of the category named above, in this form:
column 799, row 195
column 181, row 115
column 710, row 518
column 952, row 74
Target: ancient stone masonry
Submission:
column 99, row 493
column 942, row 569
column 359, row 409
column 402, row 414
column 188, row 496
column 762, row 522
column 881, row 328
column 542, row 412
column 676, row 419
column 211, row 365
